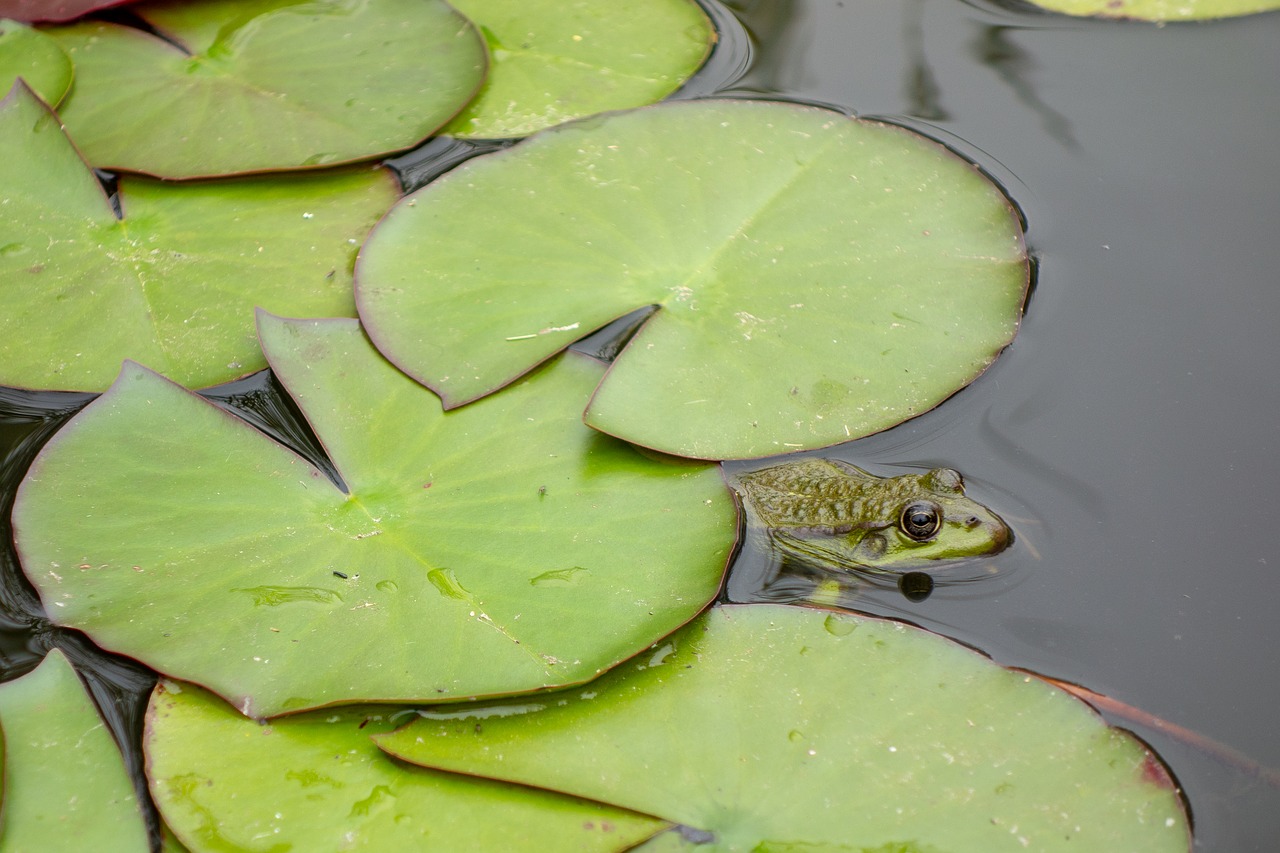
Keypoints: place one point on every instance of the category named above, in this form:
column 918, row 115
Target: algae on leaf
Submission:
column 65, row 784
column 175, row 281
column 500, row 549
column 555, row 60
column 766, row 727
column 236, row 86
column 818, row 277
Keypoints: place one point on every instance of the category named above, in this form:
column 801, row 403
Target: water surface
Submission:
column 1130, row 432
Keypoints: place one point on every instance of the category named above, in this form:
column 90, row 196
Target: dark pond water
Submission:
column 1131, row 431
column 1129, row 434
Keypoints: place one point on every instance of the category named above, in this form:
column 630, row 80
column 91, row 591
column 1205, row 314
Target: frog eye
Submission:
column 921, row 520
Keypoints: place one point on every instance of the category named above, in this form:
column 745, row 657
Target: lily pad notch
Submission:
column 819, row 277
column 250, row 86
column 173, row 283
column 450, row 569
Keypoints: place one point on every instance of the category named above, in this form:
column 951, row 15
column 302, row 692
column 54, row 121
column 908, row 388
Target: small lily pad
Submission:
column 36, row 58
column 500, row 549
column 555, row 60
column 174, row 283
column 64, row 779
column 236, row 86
column 765, row 727
column 819, row 277
column 316, row 782
column 1159, row 10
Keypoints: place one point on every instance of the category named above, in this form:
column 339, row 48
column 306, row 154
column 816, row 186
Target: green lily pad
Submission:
column 36, row 58
column 238, row 86
column 174, row 283
column 64, row 778
column 1159, row 10
column 819, row 277
column 317, row 782
column 780, row 728
column 555, row 60
column 52, row 10
column 500, row 549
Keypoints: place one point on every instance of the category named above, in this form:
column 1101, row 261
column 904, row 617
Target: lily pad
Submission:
column 236, row 86
column 819, row 277
column 778, row 728
column 555, row 60
column 64, row 778
column 52, row 10
column 36, row 58
column 501, row 549
column 1159, row 10
column 317, row 782
column 174, row 282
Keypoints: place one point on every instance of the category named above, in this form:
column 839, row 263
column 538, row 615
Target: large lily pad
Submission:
column 1160, row 10
column 779, row 728
column 240, row 86
column 36, row 58
column 174, row 283
column 499, row 549
column 64, row 781
column 820, row 277
column 317, row 782
column 555, row 60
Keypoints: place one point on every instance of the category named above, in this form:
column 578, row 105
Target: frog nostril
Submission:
column 972, row 521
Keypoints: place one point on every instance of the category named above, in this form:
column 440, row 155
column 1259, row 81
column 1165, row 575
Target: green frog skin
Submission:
column 828, row 514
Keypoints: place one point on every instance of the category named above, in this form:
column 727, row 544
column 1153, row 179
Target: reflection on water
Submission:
column 995, row 49
column 923, row 92
column 731, row 57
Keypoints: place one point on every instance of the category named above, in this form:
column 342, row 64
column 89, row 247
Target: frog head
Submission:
column 834, row 515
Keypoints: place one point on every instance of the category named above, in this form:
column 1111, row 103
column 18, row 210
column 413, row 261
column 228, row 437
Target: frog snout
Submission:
column 999, row 533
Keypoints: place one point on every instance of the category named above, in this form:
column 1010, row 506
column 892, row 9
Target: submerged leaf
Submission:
column 174, row 283
column 778, row 728
column 499, row 549
column 555, row 60
column 65, row 785
column 316, row 782
column 36, row 58
column 235, row 86
column 1160, row 10
column 819, row 277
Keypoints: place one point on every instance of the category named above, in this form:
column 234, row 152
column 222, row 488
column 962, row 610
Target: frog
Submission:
column 828, row 514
